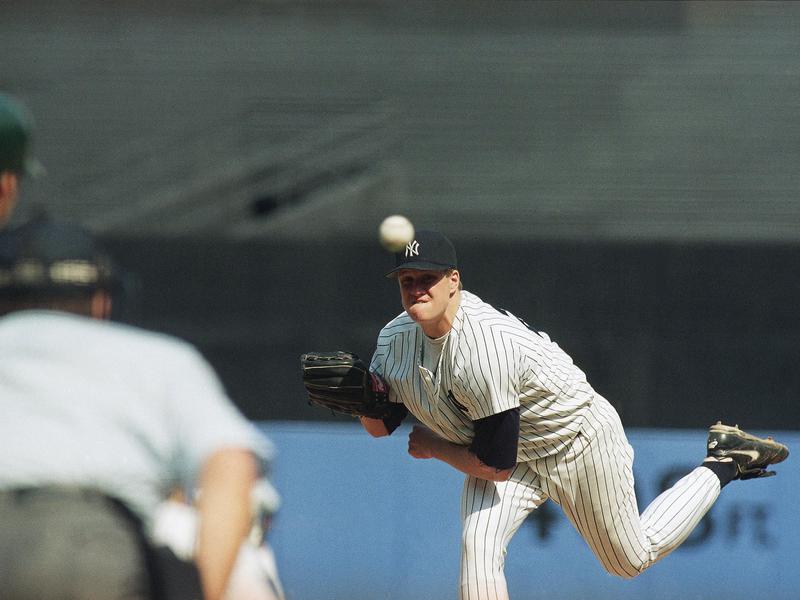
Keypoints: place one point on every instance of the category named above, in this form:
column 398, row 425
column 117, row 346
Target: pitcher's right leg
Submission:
column 491, row 512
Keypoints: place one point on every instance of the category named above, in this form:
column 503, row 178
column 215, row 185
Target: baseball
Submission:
column 395, row 232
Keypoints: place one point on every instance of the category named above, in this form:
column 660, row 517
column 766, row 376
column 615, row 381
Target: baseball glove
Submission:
column 342, row 382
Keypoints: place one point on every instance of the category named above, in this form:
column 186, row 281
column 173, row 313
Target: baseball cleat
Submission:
column 751, row 454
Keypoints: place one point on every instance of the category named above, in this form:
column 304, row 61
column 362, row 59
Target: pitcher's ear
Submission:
column 455, row 279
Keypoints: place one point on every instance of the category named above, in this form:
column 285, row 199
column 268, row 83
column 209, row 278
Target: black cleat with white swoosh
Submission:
column 751, row 454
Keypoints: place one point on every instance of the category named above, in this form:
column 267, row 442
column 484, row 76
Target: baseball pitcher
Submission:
column 505, row 405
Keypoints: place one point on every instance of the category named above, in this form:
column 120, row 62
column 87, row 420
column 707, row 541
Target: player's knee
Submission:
column 478, row 550
column 619, row 559
column 623, row 569
column 622, row 574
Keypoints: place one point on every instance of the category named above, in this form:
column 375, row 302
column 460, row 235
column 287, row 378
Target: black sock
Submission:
column 725, row 471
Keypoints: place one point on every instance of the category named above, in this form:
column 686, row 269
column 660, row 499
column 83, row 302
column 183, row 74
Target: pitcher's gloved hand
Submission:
column 342, row 382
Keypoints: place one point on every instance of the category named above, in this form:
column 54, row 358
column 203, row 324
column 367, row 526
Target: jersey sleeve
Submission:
column 490, row 366
column 378, row 364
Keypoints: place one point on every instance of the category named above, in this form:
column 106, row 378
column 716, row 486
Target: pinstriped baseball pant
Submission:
column 592, row 481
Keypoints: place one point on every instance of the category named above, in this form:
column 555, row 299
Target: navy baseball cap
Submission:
column 16, row 125
column 47, row 257
column 429, row 251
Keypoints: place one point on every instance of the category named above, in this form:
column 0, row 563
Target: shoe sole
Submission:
column 781, row 450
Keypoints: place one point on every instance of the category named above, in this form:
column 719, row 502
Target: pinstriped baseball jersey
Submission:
column 490, row 362
column 572, row 446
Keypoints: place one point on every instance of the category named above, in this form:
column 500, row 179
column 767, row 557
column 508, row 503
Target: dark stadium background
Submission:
column 621, row 174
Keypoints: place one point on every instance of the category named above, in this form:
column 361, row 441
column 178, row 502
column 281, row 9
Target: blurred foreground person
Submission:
column 266, row 502
column 100, row 421
column 255, row 573
column 16, row 125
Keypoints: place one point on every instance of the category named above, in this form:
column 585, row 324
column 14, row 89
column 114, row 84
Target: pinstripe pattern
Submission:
column 491, row 512
column 572, row 447
column 592, row 481
column 490, row 362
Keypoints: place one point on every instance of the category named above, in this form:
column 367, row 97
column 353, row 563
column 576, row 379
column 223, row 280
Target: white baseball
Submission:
column 395, row 232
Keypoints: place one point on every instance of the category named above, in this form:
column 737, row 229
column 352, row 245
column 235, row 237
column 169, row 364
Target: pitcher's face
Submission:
column 426, row 295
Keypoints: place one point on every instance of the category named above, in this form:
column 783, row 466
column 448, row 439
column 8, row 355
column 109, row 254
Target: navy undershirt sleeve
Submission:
column 496, row 438
column 392, row 422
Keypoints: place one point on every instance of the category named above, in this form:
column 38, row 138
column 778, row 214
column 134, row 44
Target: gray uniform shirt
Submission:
column 90, row 403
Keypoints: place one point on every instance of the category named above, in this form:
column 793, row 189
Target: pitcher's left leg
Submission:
column 593, row 483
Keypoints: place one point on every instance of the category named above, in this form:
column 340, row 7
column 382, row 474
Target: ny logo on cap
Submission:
column 412, row 248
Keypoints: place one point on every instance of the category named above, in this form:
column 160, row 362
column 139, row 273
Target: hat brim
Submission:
column 419, row 266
